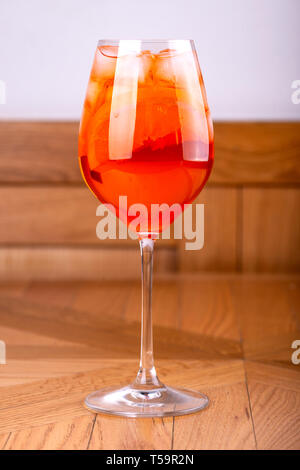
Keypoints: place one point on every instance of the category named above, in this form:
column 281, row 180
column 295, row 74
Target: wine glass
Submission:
column 146, row 133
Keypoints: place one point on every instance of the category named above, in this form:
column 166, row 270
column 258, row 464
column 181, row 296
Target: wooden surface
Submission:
column 48, row 217
column 246, row 153
column 48, row 233
column 228, row 336
column 271, row 229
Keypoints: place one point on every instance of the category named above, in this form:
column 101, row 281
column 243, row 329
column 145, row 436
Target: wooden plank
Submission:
column 271, row 230
column 102, row 300
column 53, row 215
column 56, row 399
column 246, row 152
column 275, row 403
column 89, row 328
column 61, row 398
column 267, row 324
column 42, row 407
column 226, row 424
column 44, row 361
column 220, row 233
column 122, row 300
column 257, row 153
column 200, row 307
column 39, row 152
column 78, row 263
column 61, row 294
column 3, row 440
column 75, row 326
column 73, row 434
column 14, row 290
column 61, row 349
column 130, row 434
column 41, row 215
column 206, row 308
column 294, row 288
column 273, row 375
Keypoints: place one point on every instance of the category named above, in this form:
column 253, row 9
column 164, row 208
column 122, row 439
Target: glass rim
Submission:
column 114, row 42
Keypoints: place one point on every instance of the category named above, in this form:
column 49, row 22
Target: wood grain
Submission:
column 257, row 153
column 150, row 434
column 294, row 288
column 58, row 399
column 263, row 237
column 275, row 399
column 228, row 340
column 271, row 230
column 228, row 409
column 39, row 152
column 53, row 216
column 3, row 440
column 78, row 263
column 220, row 233
column 73, row 434
column 267, row 327
column 246, row 152
column 73, row 326
column 210, row 309
column 251, row 206
column 36, row 403
column 41, row 215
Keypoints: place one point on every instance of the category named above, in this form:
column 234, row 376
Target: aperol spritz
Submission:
column 146, row 130
column 146, row 133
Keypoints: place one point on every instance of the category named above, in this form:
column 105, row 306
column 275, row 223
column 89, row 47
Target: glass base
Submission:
column 135, row 402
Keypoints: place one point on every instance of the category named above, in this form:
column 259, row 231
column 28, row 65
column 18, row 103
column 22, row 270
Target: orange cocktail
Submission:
column 146, row 131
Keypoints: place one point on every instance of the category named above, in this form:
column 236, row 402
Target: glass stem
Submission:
column 146, row 377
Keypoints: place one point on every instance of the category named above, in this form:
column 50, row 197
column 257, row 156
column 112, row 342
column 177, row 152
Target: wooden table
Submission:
column 228, row 336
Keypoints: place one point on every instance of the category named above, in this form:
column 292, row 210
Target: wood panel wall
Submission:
column 48, row 219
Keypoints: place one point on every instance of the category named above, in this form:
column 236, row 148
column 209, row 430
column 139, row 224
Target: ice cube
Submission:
column 103, row 66
column 146, row 68
column 175, row 67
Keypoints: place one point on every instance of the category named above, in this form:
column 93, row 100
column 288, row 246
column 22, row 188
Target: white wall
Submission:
column 249, row 51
